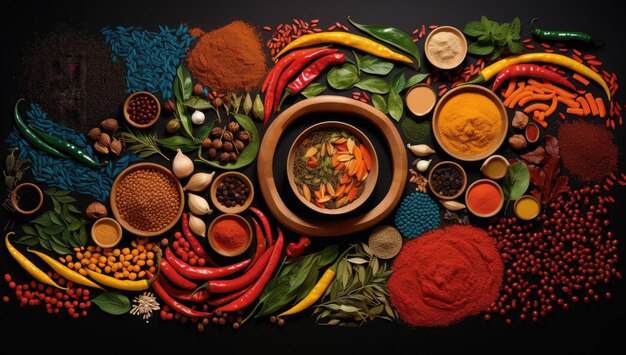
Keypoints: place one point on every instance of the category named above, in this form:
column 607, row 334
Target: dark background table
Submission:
column 588, row 328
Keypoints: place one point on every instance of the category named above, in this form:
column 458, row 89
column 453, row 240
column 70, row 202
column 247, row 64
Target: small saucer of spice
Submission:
column 232, row 192
column 230, row 234
column 385, row 242
column 445, row 47
column 141, row 109
column 27, row 198
column 420, row 99
column 106, row 232
column 447, row 180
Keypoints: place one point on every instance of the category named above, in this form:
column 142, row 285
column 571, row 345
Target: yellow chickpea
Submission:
column 118, row 275
column 107, row 269
column 141, row 248
column 126, row 263
column 91, row 249
column 82, row 272
column 126, row 273
column 133, row 244
column 141, row 262
column 142, row 256
column 91, row 267
column 114, row 268
column 126, row 251
column 152, row 269
column 132, row 276
column 134, row 252
column 128, row 257
column 77, row 266
column 149, row 262
column 141, row 274
column 84, row 261
column 68, row 258
column 79, row 255
column 70, row 265
column 101, row 265
column 136, row 268
column 87, row 254
column 103, row 259
column 135, row 259
column 116, row 252
column 99, row 249
column 150, row 255
column 98, row 270
column 149, row 246
column 93, row 260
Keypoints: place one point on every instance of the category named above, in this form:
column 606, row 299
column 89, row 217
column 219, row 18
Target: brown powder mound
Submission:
column 228, row 59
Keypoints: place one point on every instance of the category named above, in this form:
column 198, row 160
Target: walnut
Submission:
column 96, row 210
column 94, row 133
column 520, row 120
column 517, row 141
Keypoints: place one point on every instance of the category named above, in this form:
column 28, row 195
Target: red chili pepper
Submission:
column 296, row 249
column 533, row 71
column 202, row 273
column 199, row 296
column 260, row 243
column 314, row 70
column 255, row 290
column 194, row 243
column 279, row 67
column 224, row 286
column 266, row 225
column 228, row 298
column 177, row 306
column 175, row 277
column 295, row 67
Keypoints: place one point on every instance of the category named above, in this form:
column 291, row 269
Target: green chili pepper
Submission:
column 560, row 35
column 30, row 136
column 68, row 148
column 392, row 36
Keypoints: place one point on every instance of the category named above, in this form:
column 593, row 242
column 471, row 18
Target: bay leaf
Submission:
column 113, row 303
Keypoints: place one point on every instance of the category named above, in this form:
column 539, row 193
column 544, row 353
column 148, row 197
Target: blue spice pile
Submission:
column 417, row 214
column 66, row 174
column 151, row 57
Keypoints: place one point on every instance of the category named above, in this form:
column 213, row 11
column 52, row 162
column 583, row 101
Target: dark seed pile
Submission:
column 447, row 180
column 232, row 192
column 69, row 73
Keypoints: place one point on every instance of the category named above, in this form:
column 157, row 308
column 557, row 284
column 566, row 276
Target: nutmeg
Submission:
column 198, row 89
column 239, row 145
column 520, row 120
column 228, row 136
column 100, row 148
column 96, row 210
column 104, row 139
column 169, row 106
column 116, row 147
column 94, row 133
column 518, row 141
column 206, row 143
column 233, row 126
column 110, row 124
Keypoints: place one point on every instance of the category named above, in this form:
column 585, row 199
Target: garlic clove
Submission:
column 423, row 165
column 199, row 182
column 182, row 166
column 452, row 205
column 197, row 225
column 197, row 117
column 198, row 205
column 420, row 150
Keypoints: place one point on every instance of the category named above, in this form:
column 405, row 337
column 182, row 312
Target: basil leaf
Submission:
column 313, row 90
column 42, row 220
column 174, row 141
column 113, row 303
column 474, row 29
column 57, row 206
column 397, row 82
column 516, row 181
column 277, row 298
column 415, row 79
column 486, row 24
column 343, row 77
column 392, row 36
column 307, row 285
column 379, row 102
column 28, row 230
column 54, row 218
column 82, row 235
column 328, row 255
column 373, row 85
column 28, row 240
column 478, row 49
column 184, row 117
column 395, row 105
column 515, row 46
column 198, row 103
column 374, row 65
column 500, row 36
column 184, row 80
column 59, row 249
column 497, row 52
column 515, row 27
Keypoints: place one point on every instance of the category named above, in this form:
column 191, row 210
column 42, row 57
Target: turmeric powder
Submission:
column 469, row 124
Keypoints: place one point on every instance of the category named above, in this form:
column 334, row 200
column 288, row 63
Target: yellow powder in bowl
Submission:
column 469, row 124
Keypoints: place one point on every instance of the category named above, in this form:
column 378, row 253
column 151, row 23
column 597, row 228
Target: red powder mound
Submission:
column 445, row 276
column 587, row 150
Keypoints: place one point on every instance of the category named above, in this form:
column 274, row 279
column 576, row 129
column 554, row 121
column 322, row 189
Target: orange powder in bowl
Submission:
column 484, row 198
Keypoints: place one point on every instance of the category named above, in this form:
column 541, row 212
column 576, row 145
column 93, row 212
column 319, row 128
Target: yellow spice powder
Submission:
column 106, row 233
column 469, row 123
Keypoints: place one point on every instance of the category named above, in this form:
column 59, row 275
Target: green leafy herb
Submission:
column 313, row 90
column 141, row 143
column 395, row 105
column 113, row 303
column 492, row 38
column 174, row 143
column 379, row 102
column 398, row 81
column 373, row 85
column 415, row 79
column 373, row 65
column 516, row 181
column 198, row 103
column 392, row 36
column 343, row 77
column 183, row 89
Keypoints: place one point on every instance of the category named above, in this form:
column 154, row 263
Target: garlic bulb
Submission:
column 198, row 205
column 182, row 166
column 197, row 117
column 423, row 165
column 199, row 182
column 421, row 150
column 452, row 205
column 197, row 225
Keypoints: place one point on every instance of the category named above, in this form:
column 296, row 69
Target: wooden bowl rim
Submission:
column 222, row 251
column 370, row 182
column 15, row 202
column 490, row 95
column 237, row 209
column 118, row 226
column 127, row 102
column 459, row 168
column 457, row 33
column 493, row 157
column 486, row 215
column 125, row 224
column 528, row 197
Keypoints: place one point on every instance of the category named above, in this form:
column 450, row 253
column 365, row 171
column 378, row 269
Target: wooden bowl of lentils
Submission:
column 447, row 180
column 147, row 199
column 232, row 192
column 142, row 109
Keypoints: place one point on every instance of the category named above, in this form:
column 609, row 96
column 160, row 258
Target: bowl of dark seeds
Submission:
column 232, row 192
column 447, row 180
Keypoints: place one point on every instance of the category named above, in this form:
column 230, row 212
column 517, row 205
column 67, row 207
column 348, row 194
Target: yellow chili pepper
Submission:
column 66, row 272
column 552, row 58
column 33, row 270
column 347, row 39
column 112, row 282
column 315, row 294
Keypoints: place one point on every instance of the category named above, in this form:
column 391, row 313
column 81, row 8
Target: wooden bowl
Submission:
column 484, row 215
column 441, row 165
column 215, row 245
column 127, row 116
column 370, row 181
column 495, row 144
column 438, row 63
column 116, row 212
column 491, row 160
column 522, row 199
column 238, row 208
column 15, row 202
column 118, row 229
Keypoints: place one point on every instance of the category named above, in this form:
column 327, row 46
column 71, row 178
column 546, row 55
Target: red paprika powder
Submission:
column 484, row 198
column 230, row 234
column 445, row 275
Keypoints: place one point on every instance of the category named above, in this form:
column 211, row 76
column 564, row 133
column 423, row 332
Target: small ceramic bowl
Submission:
column 457, row 59
column 491, row 213
column 237, row 208
column 441, row 165
column 526, row 199
column 218, row 247
column 491, row 160
column 127, row 115
column 421, row 99
column 532, row 126
column 98, row 239
column 15, row 202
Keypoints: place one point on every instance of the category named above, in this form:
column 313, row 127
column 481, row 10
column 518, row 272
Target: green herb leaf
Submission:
column 65, row 199
column 178, row 142
column 392, row 36
column 59, row 249
column 57, row 206
column 515, row 46
column 198, row 103
column 143, row 144
column 373, row 85
column 379, row 102
column 486, row 24
column 54, row 218
column 374, row 65
column 56, row 229
column 204, row 131
column 313, row 90
column 82, row 235
column 277, row 298
column 28, row 230
column 42, row 220
column 516, row 181
column 515, row 27
column 474, row 29
column 184, row 80
column 398, row 81
column 415, row 79
column 497, row 52
column 113, row 303
column 45, row 244
column 343, row 77
column 395, row 105
column 477, row 49
column 28, row 240
column 185, row 118
column 328, row 255
column 500, row 36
